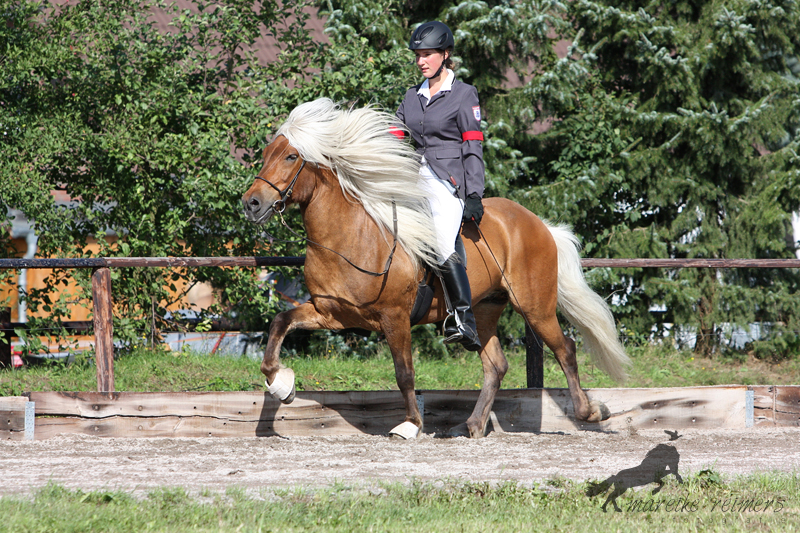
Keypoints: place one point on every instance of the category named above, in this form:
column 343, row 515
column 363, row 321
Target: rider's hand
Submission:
column 473, row 208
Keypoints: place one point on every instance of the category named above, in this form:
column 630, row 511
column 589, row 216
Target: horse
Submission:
column 357, row 188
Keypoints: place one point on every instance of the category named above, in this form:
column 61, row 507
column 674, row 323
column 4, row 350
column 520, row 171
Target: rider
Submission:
column 443, row 116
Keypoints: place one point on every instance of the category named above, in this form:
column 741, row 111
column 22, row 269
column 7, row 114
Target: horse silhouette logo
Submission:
column 659, row 462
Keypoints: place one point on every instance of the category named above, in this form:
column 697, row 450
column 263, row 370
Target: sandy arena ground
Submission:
column 139, row 465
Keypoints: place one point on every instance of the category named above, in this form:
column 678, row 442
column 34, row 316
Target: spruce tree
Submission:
column 696, row 107
column 673, row 132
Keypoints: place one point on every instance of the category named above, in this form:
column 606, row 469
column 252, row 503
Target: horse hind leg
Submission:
column 534, row 295
column 598, row 411
column 563, row 347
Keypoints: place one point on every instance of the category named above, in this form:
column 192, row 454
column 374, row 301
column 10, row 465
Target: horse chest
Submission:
column 355, row 299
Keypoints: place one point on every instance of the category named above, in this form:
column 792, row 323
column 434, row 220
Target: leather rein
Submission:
column 279, row 205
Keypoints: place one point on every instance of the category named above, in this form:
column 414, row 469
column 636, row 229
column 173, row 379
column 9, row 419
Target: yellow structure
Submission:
column 200, row 296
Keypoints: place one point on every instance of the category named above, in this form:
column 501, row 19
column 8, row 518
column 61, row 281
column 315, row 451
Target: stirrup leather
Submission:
column 451, row 313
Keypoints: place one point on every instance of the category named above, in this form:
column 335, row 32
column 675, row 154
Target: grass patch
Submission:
column 159, row 370
column 433, row 506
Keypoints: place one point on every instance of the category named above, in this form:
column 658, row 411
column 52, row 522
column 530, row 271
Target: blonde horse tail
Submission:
column 586, row 310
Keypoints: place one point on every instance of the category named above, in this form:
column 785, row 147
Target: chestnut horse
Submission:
column 368, row 227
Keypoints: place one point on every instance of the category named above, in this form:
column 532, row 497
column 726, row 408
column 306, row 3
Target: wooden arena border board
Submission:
column 41, row 415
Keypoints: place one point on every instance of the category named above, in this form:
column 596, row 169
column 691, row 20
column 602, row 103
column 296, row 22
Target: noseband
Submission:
column 286, row 193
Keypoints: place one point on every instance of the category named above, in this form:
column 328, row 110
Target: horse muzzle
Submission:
column 255, row 210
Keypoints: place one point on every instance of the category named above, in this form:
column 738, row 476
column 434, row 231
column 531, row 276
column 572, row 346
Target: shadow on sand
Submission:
column 657, row 464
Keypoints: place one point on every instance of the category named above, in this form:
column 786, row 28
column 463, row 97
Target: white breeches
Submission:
column 447, row 210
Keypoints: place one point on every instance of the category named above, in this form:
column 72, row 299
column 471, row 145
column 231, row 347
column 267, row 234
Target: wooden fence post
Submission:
column 5, row 347
column 534, row 360
column 103, row 328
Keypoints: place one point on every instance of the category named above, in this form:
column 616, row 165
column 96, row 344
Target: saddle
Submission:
column 424, row 296
column 425, row 290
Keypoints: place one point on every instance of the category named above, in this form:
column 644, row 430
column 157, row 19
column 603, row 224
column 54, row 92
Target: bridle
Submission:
column 279, row 205
column 286, row 193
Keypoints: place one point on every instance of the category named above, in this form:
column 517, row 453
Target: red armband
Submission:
column 472, row 136
column 397, row 132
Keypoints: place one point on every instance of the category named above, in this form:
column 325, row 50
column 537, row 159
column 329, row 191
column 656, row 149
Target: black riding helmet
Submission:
column 432, row 35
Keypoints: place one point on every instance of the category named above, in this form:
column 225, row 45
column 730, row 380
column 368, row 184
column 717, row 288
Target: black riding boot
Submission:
column 461, row 327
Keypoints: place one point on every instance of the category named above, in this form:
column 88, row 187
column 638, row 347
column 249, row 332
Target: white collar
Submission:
column 425, row 89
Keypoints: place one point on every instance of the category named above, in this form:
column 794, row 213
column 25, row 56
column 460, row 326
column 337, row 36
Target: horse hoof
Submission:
column 289, row 399
column 600, row 412
column 477, row 433
column 460, row 430
column 405, row 431
column 282, row 387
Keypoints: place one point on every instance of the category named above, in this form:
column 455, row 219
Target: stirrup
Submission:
column 459, row 328
column 454, row 338
column 460, row 336
column 451, row 315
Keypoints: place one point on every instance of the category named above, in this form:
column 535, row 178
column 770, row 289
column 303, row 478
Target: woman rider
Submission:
column 443, row 116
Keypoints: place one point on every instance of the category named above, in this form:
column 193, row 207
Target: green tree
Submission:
column 673, row 133
column 144, row 129
column 681, row 140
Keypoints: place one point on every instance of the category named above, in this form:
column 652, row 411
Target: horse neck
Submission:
column 330, row 217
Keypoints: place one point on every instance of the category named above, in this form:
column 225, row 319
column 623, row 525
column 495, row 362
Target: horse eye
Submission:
column 291, row 157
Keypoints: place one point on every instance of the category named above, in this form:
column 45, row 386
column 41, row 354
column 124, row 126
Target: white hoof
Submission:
column 282, row 386
column 406, row 430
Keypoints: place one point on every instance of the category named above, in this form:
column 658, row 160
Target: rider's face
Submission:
column 429, row 61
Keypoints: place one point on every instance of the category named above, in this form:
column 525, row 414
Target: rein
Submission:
column 286, row 193
column 508, row 284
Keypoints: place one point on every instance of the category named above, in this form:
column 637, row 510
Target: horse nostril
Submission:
column 254, row 204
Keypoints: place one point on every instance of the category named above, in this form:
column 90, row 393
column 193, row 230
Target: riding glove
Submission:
column 473, row 209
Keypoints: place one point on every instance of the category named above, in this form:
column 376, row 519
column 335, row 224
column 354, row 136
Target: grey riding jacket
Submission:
column 447, row 132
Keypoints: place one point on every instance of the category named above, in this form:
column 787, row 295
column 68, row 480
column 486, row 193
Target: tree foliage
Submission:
column 705, row 94
column 673, row 132
column 667, row 130
column 142, row 130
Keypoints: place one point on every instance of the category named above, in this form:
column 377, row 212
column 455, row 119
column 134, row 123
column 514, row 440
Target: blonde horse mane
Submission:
column 372, row 166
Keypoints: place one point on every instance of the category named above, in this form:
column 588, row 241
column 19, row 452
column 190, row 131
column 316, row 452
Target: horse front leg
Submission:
column 279, row 379
column 399, row 340
column 495, row 366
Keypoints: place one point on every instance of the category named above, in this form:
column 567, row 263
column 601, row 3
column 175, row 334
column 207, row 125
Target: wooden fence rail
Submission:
column 41, row 415
column 124, row 262
column 102, row 301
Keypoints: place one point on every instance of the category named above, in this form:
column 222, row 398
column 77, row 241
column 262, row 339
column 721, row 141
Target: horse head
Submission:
column 274, row 186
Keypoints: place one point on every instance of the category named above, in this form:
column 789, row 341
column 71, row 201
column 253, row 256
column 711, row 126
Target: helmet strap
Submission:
column 444, row 60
